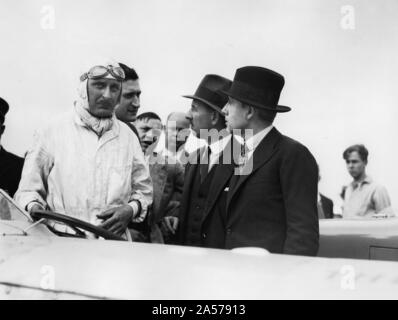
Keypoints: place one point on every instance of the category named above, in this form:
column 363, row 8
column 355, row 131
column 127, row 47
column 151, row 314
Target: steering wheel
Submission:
column 76, row 224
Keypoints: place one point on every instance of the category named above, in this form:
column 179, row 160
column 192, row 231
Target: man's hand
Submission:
column 170, row 224
column 116, row 219
column 35, row 207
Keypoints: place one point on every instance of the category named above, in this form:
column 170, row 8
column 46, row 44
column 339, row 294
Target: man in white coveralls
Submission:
column 87, row 164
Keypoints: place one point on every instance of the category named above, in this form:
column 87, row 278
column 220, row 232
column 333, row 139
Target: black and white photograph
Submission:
column 189, row 152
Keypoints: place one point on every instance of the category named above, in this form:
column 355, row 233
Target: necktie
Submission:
column 235, row 178
column 245, row 153
column 204, row 164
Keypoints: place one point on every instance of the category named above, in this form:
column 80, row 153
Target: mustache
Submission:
column 133, row 109
column 105, row 102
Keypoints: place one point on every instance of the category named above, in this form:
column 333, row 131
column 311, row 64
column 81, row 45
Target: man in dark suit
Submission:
column 272, row 203
column 208, row 171
column 10, row 164
column 327, row 207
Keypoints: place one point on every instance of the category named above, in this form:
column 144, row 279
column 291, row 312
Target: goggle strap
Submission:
column 107, row 70
column 83, row 77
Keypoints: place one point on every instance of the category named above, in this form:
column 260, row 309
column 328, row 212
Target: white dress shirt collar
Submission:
column 253, row 142
column 218, row 146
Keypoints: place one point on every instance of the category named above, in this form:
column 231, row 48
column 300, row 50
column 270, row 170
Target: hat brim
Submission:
column 212, row 105
column 277, row 108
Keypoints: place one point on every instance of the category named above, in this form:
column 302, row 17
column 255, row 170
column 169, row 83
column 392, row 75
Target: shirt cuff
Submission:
column 136, row 206
column 31, row 204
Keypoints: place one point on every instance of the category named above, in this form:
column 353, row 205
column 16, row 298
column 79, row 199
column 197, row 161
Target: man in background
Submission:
column 168, row 178
column 10, row 164
column 363, row 197
column 325, row 205
column 177, row 131
column 129, row 104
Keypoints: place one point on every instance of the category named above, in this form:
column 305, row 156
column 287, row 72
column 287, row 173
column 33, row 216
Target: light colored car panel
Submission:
column 13, row 292
column 112, row 269
column 34, row 263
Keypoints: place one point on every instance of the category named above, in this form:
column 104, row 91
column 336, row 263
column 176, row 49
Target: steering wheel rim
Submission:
column 74, row 222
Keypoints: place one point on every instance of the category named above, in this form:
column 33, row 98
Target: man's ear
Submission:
column 250, row 112
column 214, row 117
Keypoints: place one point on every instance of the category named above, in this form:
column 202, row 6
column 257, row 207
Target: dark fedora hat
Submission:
column 210, row 91
column 258, row 87
column 4, row 107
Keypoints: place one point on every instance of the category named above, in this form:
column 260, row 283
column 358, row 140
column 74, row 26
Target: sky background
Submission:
column 340, row 83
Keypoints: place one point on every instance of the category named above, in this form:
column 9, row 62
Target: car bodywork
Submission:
column 373, row 239
column 36, row 264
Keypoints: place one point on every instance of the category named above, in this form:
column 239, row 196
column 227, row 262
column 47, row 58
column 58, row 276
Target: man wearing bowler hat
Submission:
column 208, row 171
column 10, row 164
column 274, row 204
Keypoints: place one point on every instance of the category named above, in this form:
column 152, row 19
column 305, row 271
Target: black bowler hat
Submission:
column 258, row 87
column 210, row 91
column 3, row 108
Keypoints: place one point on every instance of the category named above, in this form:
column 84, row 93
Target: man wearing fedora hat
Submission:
column 274, row 204
column 10, row 164
column 208, row 171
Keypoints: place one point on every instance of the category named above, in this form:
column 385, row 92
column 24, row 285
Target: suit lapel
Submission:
column 261, row 155
column 189, row 178
column 191, row 167
column 222, row 174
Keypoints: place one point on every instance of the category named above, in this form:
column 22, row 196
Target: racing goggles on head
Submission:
column 98, row 72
